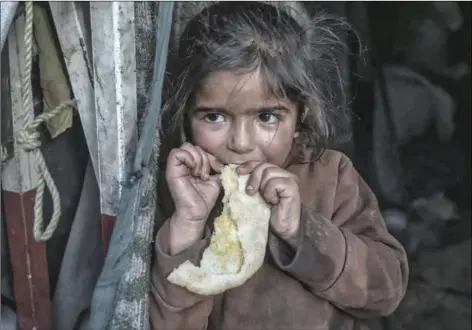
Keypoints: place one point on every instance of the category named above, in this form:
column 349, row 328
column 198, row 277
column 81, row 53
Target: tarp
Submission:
column 7, row 13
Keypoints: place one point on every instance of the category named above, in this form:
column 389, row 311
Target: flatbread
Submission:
column 238, row 243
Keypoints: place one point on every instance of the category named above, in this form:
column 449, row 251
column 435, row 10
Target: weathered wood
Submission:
column 19, row 174
column 69, row 21
column 6, row 129
column 19, row 183
column 114, row 70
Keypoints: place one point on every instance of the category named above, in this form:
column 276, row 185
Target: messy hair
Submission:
column 296, row 59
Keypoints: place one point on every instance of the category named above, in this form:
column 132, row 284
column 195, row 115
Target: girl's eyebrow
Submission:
column 272, row 108
column 209, row 109
column 258, row 110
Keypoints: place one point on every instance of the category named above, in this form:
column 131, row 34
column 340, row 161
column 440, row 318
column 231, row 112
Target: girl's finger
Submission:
column 215, row 164
column 255, row 177
column 197, row 158
column 275, row 189
column 273, row 172
column 205, row 168
column 182, row 160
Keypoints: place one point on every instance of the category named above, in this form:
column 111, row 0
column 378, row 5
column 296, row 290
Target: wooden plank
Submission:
column 19, row 183
column 69, row 20
column 6, row 128
column 114, row 72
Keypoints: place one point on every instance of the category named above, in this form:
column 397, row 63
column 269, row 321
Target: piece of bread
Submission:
column 238, row 243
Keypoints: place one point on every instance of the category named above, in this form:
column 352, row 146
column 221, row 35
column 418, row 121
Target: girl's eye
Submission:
column 269, row 118
column 214, row 118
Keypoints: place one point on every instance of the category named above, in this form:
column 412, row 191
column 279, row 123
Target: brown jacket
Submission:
column 346, row 268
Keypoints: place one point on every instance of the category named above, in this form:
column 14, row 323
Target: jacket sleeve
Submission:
column 173, row 307
column 351, row 259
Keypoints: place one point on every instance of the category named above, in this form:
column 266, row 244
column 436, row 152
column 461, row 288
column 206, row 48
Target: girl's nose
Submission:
column 241, row 140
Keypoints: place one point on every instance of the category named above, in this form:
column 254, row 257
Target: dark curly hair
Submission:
column 297, row 60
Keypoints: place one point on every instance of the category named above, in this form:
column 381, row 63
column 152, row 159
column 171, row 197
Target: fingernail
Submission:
column 250, row 188
column 205, row 176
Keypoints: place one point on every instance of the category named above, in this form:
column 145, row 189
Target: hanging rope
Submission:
column 29, row 138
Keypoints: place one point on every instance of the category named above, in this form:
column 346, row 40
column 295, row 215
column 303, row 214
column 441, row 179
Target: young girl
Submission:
column 252, row 89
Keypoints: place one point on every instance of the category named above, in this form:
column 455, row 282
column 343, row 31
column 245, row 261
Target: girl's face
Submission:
column 235, row 119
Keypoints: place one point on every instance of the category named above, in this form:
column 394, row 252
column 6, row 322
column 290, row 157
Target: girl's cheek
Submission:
column 278, row 147
column 276, row 137
column 208, row 139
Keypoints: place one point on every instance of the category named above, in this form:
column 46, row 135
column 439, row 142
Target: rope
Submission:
column 29, row 138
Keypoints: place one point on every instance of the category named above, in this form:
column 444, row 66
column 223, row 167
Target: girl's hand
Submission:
column 279, row 188
column 193, row 189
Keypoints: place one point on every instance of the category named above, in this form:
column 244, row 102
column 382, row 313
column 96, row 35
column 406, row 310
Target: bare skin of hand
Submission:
column 194, row 192
column 280, row 189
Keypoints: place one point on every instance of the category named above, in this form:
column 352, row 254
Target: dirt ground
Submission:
column 439, row 292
